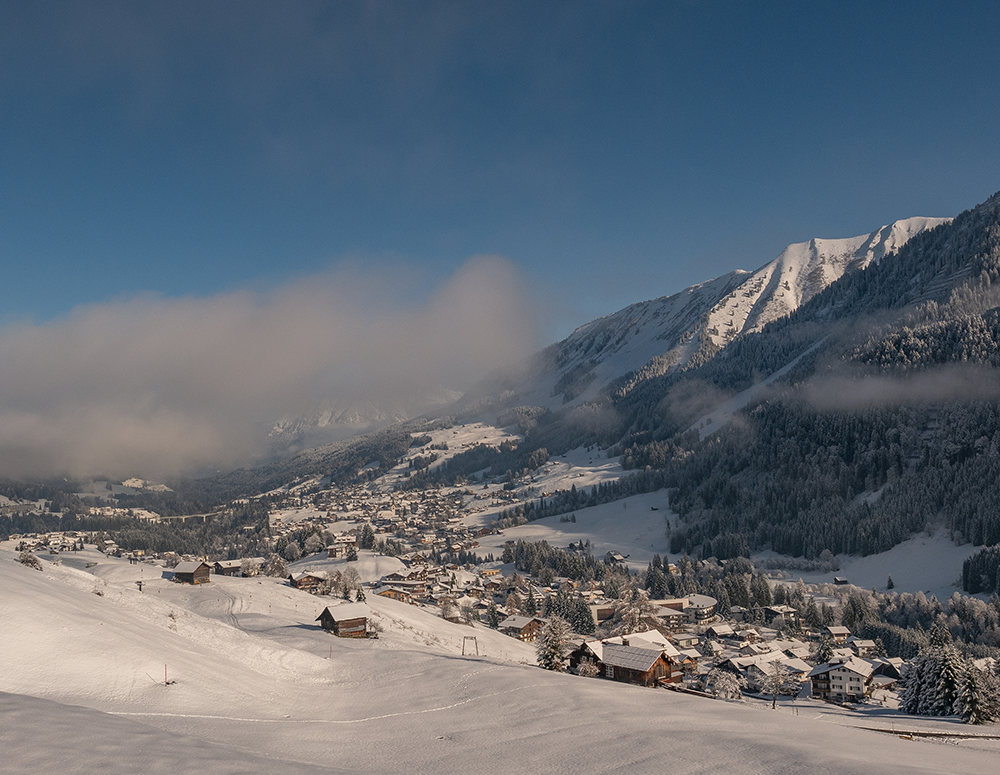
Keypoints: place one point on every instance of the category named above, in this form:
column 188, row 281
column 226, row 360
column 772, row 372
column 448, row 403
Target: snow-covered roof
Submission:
column 630, row 657
column 854, row 664
column 348, row 611
column 519, row 622
column 188, row 567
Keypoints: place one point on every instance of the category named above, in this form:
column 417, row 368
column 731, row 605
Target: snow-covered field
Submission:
column 629, row 526
column 925, row 563
column 258, row 687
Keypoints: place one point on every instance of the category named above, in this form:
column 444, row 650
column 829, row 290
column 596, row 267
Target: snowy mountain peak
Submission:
column 650, row 338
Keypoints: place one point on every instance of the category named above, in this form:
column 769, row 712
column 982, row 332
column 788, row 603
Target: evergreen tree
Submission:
column 825, row 652
column 493, row 615
column 812, row 615
column 760, row 590
column 530, row 603
column 978, row 700
column 552, row 644
column 951, row 677
column 581, row 619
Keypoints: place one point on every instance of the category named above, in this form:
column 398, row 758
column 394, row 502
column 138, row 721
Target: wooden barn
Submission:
column 629, row 664
column 345, row 621
column 193, row 572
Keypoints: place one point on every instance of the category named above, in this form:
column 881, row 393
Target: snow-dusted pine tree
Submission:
column 934, row 681
column 978, row 700
column 950, row 680
column 825, row 651
column 552, row 643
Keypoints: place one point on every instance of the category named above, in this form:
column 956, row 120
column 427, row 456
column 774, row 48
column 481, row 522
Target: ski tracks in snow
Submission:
column 367, row 719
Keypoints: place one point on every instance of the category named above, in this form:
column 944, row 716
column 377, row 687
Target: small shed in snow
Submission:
column 193, row 572
column 345, row 621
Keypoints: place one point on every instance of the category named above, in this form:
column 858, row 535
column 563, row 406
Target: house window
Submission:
column 609, row 671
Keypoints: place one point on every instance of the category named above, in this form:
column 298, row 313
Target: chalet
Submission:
column 525, row 628
column 417, row 574
column 340, row 546
column 839, row 634
column 862, row 647
column 840, row 581
column 670, row 668
column 345, row 621
column 308, row 582
column 684, row 640
column 194, row 572
column 394, row 593
column 786, row 612
column 227, row 567
column 720, row 631
column 842, row 680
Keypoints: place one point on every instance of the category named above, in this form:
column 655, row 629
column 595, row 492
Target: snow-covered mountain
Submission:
column 649, row 338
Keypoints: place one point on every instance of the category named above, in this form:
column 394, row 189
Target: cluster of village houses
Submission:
column 426, row 520
column 690, row 639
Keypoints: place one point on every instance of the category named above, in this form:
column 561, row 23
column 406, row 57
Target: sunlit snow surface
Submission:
column 258, row 687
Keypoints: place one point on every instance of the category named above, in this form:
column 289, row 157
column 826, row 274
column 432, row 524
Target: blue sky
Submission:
column 614, row 151
column 217, row 214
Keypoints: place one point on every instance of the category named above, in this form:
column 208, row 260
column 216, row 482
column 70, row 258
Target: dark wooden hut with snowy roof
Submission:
column 193, row 572
column 630, row 664
column 345, row 621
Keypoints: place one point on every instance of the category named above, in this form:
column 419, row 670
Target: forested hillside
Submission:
column 893, row 424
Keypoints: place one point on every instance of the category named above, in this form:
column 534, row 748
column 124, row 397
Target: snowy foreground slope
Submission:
column 260, row 688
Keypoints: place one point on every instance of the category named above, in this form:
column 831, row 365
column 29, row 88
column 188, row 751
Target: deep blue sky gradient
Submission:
column 616, row 151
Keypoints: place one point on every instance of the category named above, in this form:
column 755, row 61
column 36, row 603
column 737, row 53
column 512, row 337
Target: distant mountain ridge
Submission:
column 345, row 416
column 650, row 338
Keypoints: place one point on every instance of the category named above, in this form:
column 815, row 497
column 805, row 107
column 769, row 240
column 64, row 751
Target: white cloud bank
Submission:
column 152, row 386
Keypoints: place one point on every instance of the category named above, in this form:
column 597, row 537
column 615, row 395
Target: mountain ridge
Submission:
column 650, row 338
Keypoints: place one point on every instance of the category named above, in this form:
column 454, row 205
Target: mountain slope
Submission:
column 651, row 338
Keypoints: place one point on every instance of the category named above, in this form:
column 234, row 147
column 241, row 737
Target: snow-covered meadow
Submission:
column 257, row 685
